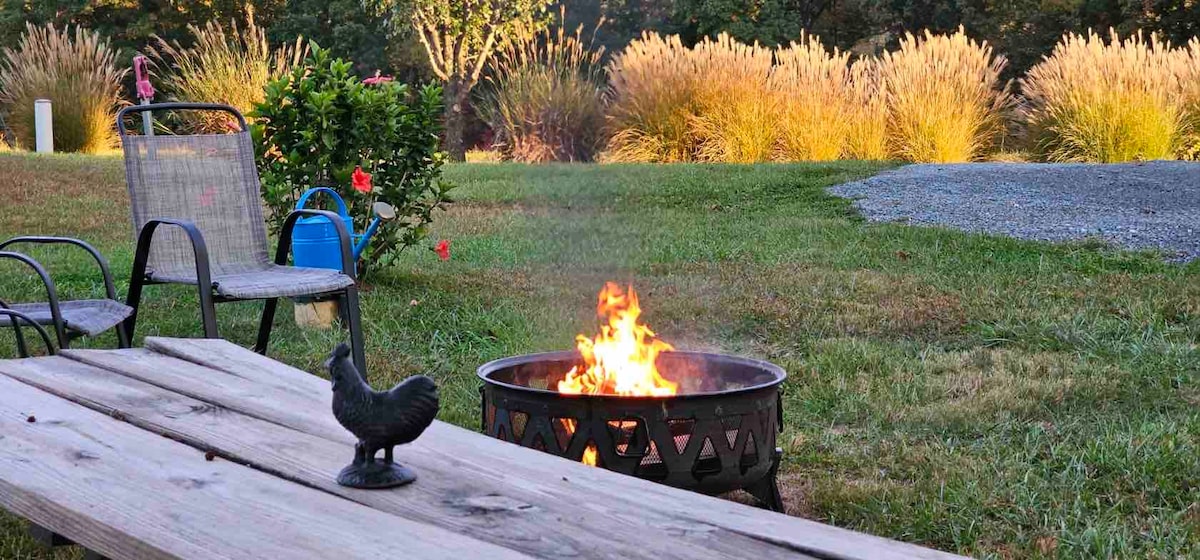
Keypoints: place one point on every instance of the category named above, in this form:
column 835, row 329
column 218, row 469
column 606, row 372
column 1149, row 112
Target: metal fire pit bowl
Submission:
column 716, row 435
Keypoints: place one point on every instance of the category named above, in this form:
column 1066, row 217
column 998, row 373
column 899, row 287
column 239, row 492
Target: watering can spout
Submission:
column 383, row 211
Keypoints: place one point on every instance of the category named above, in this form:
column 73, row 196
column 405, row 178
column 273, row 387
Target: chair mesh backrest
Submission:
column 208, row 179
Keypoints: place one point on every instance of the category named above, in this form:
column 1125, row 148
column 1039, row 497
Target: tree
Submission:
column 460, row 37
column 351, row 29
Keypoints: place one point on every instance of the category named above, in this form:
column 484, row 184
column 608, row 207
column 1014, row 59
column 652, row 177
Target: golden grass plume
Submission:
column 735, row 109
column 1106, row 101
column 653, row 88
column 816, row 104
column 77, row 72
column 945, row 100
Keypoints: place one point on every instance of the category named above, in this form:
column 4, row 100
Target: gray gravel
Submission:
column 1152, row 205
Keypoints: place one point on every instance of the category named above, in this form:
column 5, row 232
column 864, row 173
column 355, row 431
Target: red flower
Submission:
column 442, row 249
column 377, row 79
column 361, row 180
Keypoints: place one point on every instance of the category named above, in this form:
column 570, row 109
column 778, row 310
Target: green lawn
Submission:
column 977, row 394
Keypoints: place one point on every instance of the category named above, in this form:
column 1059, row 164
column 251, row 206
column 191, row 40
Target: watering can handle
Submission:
column 341, row 204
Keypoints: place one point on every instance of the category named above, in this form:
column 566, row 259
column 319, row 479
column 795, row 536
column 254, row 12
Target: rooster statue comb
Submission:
column 380, row 420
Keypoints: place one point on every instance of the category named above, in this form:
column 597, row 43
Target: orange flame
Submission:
column 620, row 360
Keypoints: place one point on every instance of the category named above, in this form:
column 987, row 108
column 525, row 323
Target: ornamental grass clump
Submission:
column 1106, row 101
column 546, row 101
column 653, row 87
column 229, row 66
column 866, row 112
column 815, row 104
column 945, row 100
column 736, row 111
column 77, row 72
column 1189, row 82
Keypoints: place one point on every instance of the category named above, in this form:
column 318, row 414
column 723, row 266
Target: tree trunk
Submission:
column 455, row 96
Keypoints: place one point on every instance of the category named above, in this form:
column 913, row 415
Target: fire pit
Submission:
column 707, row 422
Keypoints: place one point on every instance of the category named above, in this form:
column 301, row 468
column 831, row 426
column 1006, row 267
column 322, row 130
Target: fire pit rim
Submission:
column 493, row 366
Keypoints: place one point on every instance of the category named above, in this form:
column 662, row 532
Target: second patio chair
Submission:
column 198, row 220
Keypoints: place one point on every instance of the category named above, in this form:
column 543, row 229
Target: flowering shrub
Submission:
column 321, row 126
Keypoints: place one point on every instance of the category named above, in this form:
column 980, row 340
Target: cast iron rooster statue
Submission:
column 380, row 420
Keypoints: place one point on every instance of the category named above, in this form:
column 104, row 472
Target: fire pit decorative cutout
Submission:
column 628, row 402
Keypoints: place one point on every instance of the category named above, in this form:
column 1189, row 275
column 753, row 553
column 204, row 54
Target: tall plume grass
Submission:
column 653, row 85
column 77, row 72
column 546, row 101
column 1189, row 82
column 816, row 104
column 1106, row 101
column 945, row 99
column 736, row 110
column 230, row 66
column 866, row 112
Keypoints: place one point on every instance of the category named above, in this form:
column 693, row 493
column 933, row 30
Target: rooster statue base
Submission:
column 380, row 420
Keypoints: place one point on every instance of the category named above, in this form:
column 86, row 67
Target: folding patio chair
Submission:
column 71, row 319
column 204, row 189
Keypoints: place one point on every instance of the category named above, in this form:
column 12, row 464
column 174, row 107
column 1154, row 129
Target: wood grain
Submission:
column 127, row 493
column 460, row 497
column 488, row 458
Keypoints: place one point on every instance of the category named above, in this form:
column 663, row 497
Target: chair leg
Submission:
column 122, row 338
column 137, row 280
column 354, row 322
column 264, row 326
column 208, row 312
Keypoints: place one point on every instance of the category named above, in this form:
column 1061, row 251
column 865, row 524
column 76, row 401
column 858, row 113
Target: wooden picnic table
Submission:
column 246, row 470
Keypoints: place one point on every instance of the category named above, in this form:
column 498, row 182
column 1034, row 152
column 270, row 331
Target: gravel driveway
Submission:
column 1152, row 205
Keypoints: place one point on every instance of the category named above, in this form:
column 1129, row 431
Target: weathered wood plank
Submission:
column 461, row 497
column 488, row 457
column 127, row 493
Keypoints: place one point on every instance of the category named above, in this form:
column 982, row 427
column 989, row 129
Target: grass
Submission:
column 978, row 394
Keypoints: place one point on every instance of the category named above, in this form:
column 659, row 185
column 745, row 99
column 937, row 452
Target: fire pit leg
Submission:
column 767, row 489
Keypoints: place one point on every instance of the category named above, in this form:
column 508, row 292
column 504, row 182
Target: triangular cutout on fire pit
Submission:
column 708, row 463
column 519, row 420
column 538, row 443
column 681, row 432
column 731, row 424
column 749, row 453
column 564, row 430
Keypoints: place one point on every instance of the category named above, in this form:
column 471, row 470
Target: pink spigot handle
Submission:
column 145, row 91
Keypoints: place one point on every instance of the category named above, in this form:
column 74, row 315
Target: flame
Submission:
column 620, row 360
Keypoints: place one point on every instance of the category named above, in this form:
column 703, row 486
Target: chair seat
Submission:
column 87, row 316
column 280, row 281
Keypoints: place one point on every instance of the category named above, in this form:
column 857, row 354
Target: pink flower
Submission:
column 360, row 180
column 442, row 249
column 377, row 79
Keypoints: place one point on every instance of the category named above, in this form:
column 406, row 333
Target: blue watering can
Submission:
column 315, row 241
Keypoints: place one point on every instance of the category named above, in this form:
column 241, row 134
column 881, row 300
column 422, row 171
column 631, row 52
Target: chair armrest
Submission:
column 17, row 318
column 51, row 292
column 199, row 248
column 109, row 288
column 285, row 238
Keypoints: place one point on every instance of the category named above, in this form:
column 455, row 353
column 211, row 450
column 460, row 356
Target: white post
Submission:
column 43, row 125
